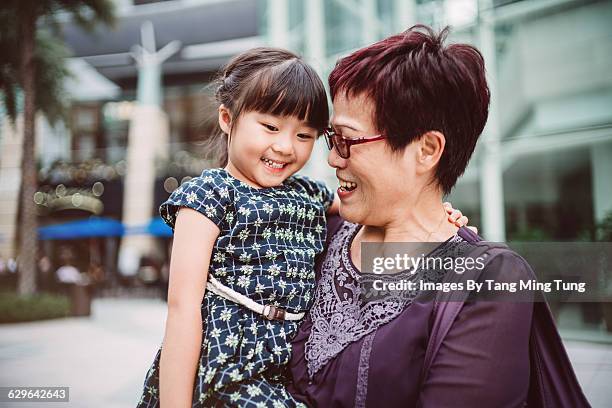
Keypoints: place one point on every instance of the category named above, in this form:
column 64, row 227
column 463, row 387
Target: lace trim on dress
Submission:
column 339, row 316
column 362, row 372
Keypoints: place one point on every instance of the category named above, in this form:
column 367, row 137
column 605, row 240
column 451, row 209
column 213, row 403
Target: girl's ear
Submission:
column 225, row 119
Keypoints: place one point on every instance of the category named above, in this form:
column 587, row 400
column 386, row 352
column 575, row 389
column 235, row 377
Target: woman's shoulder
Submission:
column 503, row 263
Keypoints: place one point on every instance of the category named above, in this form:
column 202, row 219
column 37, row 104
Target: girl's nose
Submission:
column 283, row 145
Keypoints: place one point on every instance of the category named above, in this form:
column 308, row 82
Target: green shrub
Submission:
column 41, row 306
column 530, row 235
column 604, row 228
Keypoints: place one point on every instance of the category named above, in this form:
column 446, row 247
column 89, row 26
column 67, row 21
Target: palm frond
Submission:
column 50, row 51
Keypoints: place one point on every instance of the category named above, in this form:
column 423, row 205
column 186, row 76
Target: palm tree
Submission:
column 32, row 61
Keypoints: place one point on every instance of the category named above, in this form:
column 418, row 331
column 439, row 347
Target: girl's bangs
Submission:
column 289, row 89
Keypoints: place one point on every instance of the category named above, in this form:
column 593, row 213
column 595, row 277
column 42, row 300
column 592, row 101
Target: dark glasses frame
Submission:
column 343, row 144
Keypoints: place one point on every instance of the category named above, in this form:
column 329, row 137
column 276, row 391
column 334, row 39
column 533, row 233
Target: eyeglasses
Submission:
column 343, row 144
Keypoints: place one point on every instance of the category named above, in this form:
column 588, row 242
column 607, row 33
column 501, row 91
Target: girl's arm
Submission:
column 194, row 238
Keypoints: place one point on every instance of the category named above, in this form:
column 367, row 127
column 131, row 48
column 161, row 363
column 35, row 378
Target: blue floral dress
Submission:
column 266, row 249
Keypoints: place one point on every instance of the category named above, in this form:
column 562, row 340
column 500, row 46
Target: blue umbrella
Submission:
column 159, row 228
column 90, row 227
column 156, row 227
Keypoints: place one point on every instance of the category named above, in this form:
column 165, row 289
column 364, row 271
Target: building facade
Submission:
column 541, row 171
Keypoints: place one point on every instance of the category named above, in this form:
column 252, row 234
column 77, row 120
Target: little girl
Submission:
column 254, row 249
column 242, row 275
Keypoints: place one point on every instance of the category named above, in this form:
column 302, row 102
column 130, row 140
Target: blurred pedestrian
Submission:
column 68, row 274
column 96, row 277
column 45, row 269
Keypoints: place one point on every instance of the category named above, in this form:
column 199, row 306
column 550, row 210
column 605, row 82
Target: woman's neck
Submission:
column 424, row 220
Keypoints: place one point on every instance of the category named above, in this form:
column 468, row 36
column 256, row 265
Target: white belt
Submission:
column 267, row 311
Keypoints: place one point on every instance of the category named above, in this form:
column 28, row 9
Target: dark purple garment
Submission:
column 483, row 361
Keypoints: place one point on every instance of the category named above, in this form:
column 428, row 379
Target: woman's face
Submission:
column 385, row 181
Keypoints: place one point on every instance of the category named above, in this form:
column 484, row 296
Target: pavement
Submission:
column 104, row 358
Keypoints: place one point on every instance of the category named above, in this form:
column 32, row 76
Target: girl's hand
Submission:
column 456, row 217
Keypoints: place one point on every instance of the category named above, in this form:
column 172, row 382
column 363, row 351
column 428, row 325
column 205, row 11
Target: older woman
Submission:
column 408, row 111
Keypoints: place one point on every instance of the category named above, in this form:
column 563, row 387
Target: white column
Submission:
column 315, row 54
column 314, row 25
column 278, row 23
column 491, row 192
column 491, row 172
column 149, row 129
column 147, row 142
column 11, row 151
column 601, row 170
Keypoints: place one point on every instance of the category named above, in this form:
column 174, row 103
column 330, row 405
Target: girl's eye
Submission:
column 304, row 136
column 270, row 127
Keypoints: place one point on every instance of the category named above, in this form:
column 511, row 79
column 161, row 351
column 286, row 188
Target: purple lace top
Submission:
column 349, row 354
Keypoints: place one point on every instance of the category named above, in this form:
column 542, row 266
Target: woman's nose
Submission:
column 334, row 159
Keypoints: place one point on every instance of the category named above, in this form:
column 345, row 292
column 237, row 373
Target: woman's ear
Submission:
column 431, row 147
column 225, row 119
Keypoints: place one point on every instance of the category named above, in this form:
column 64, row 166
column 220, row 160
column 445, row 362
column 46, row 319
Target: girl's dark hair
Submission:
column 273, row 81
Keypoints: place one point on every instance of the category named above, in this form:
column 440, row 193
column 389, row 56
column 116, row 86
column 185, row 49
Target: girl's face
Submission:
column 265, row 149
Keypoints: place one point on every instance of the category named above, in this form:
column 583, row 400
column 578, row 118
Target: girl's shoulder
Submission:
column 211, row 184
column 215, row 177
column 210, row 194
column 313, row 189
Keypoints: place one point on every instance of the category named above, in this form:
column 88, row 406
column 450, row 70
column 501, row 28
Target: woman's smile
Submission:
column 346, row 187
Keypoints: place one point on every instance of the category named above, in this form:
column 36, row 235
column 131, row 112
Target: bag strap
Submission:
column 446, row 310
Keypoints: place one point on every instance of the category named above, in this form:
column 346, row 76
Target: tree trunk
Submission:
column 28, row 236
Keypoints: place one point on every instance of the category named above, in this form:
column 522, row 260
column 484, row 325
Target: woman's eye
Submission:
column 271, row 128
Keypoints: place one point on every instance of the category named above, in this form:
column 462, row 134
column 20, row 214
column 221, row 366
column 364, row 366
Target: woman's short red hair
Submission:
column 419, row 84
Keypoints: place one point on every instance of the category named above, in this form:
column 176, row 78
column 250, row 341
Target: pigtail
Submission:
column 214, row 142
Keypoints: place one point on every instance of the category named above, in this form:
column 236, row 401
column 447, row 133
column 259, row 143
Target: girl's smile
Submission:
column 275, row 166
